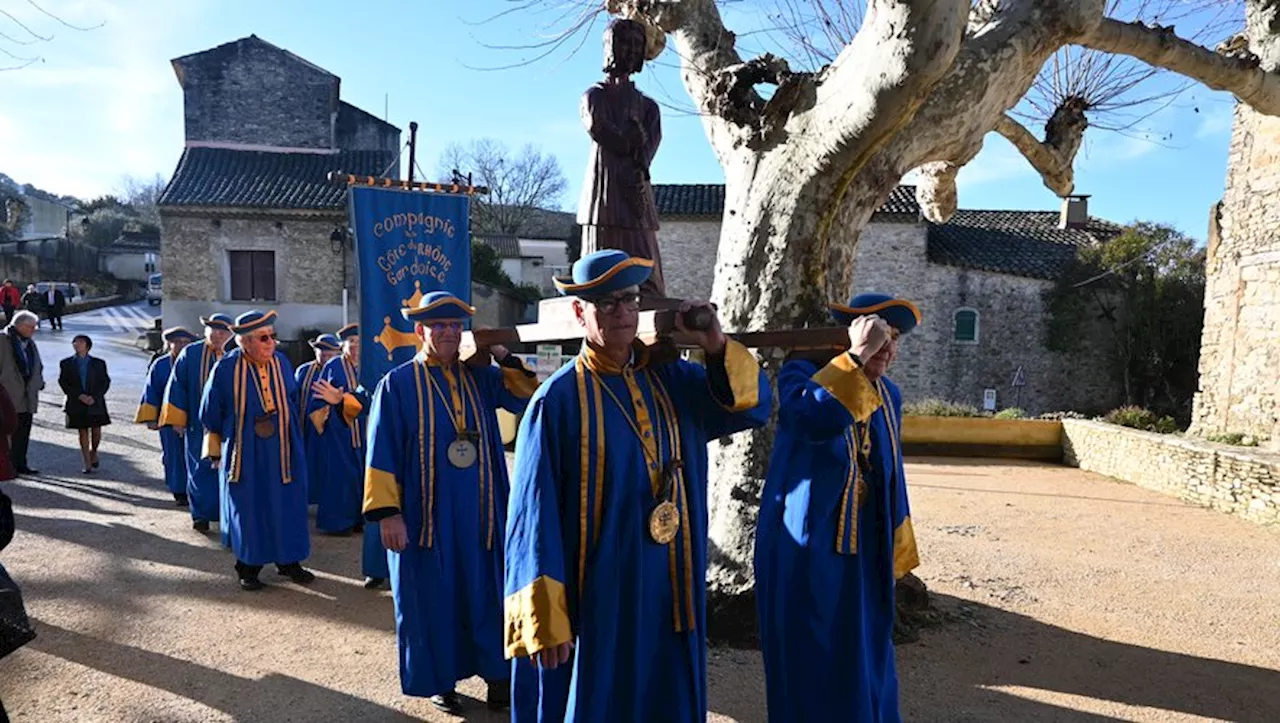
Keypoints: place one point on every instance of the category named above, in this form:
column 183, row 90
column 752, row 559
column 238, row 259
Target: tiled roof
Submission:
column 134, row 241
column 1022, row 243
column 707, row 199
column 261, row 179
column 507, row 245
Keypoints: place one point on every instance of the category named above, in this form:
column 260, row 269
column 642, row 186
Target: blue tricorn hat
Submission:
column 437, row 306
column 604, row 272
column 326, row 342
column 253, row 320
column 900, row 313
column 178, row 333
column 348, row 331
column 218, row 321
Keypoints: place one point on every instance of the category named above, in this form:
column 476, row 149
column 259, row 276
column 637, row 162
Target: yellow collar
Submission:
column 598, row 362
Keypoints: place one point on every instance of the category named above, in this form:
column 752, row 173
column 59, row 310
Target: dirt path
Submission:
column 1065, row 597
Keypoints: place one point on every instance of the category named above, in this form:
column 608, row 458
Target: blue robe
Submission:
column 182, row 409
column 265, row 478
column 448, row 582
column 306, row 374
column 831, row 540
column 172, row 454
column 581, row 565
column 338, row 444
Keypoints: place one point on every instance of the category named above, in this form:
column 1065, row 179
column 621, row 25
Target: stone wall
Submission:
column 1240, row 348
column 688, row 246
column 1236, row 480
column 893, row 258
column 252, row 92
column 309, row 277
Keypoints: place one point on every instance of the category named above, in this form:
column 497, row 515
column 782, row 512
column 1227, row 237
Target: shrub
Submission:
column 1138, row 418
column 1011, row 413
column 1234, row 438
column 939, row 408
column 1055, row 416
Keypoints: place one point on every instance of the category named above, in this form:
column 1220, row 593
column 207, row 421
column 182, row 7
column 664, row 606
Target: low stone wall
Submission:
column 1238, row 480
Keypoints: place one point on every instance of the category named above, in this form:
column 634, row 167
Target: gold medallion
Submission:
column 664, row 522
column 265, row 426
column 462, row 453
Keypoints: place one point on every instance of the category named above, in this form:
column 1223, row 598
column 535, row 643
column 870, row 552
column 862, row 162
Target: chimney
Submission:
column 1075, row 212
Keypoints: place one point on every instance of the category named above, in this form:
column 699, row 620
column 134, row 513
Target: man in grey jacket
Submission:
column 22, row 376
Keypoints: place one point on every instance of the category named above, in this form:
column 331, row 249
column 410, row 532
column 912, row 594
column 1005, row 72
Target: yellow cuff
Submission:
column 319, row 417
column 146, row 413
column 351, row 407
column 744, row 376
column 518, row 382
column 537, row 618
column 380, row 490
column 850, row 386
column 905, row 556
column 212, row 445
column 171, row 416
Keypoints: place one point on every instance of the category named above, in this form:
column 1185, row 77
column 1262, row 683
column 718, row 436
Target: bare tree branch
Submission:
column 1053, row 158
column 1161, row 47
column 519, row 184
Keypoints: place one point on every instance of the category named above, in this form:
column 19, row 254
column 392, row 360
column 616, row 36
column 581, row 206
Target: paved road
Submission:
column 1065, row 596
column 115, row 331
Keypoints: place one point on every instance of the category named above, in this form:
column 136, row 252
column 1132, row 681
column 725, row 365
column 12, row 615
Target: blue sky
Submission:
column 105, row 103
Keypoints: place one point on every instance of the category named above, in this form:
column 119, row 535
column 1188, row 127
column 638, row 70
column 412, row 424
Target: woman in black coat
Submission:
column 84, row 380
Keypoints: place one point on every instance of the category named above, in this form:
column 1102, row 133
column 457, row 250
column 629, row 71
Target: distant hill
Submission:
column 29, row 190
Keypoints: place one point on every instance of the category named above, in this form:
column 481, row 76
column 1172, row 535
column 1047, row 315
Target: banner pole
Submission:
column 413, row 148
column 346, row 317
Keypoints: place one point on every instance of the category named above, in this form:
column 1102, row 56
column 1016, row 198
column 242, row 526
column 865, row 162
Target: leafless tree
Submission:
column 143, row 194
column 23, row 30
column 519, row 184
column 897, row 86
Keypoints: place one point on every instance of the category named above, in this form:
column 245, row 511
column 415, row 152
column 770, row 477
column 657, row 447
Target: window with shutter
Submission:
column 966, row 326
column 253, row 275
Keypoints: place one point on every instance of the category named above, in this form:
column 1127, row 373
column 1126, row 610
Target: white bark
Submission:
column 1053, row 168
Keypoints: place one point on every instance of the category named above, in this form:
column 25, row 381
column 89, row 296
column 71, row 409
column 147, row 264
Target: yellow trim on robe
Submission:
column 905, row 556
column 171, row 416
column 212, row 445
column 351, row 407
column 319, row 417
column 847, row 383
column 147, row 412
column 537, row 618
column 380, row 490
column 519, row 383
column 744, row 376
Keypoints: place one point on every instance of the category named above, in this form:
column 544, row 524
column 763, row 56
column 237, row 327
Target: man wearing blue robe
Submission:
column 326, row 347
column 336, row 412
column 181, row 412
column 607, row 524
column 436, row 482
column 172, row 454
column 252, row 430
column 834, row 532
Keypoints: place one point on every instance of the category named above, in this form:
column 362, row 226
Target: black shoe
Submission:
column 450, row 702
column 200, row 525
column 373, row 583
column 296, row 572
column 251, row 583
column 499, row 697
column 28, row 470
column 181, row 500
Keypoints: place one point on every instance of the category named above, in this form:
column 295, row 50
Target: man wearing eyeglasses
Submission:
column 251, row 421
column 834, row 532
column 607, row 530
column 436, row 484
column 181, row 412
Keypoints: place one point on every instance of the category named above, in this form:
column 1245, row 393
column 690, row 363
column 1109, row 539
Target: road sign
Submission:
column 989, row 400
column 1020, row 377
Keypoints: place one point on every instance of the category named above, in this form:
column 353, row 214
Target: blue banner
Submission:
column 408, row 243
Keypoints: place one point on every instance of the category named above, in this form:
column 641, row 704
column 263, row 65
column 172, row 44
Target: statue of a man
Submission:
column 616, row 209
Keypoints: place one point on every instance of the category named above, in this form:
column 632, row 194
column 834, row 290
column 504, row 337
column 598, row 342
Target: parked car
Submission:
column 153, row 289
column 70, row 290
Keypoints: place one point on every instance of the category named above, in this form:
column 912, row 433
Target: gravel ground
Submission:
column 1061, row 596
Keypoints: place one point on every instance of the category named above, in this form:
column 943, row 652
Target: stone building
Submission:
column 979, row 281
column 248, row 216
column 133, row 256
column 1240, row 346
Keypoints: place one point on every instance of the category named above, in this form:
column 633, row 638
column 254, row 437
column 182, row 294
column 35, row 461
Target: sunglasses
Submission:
column 607, row 304
column 264, row 338
column 445, row 326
